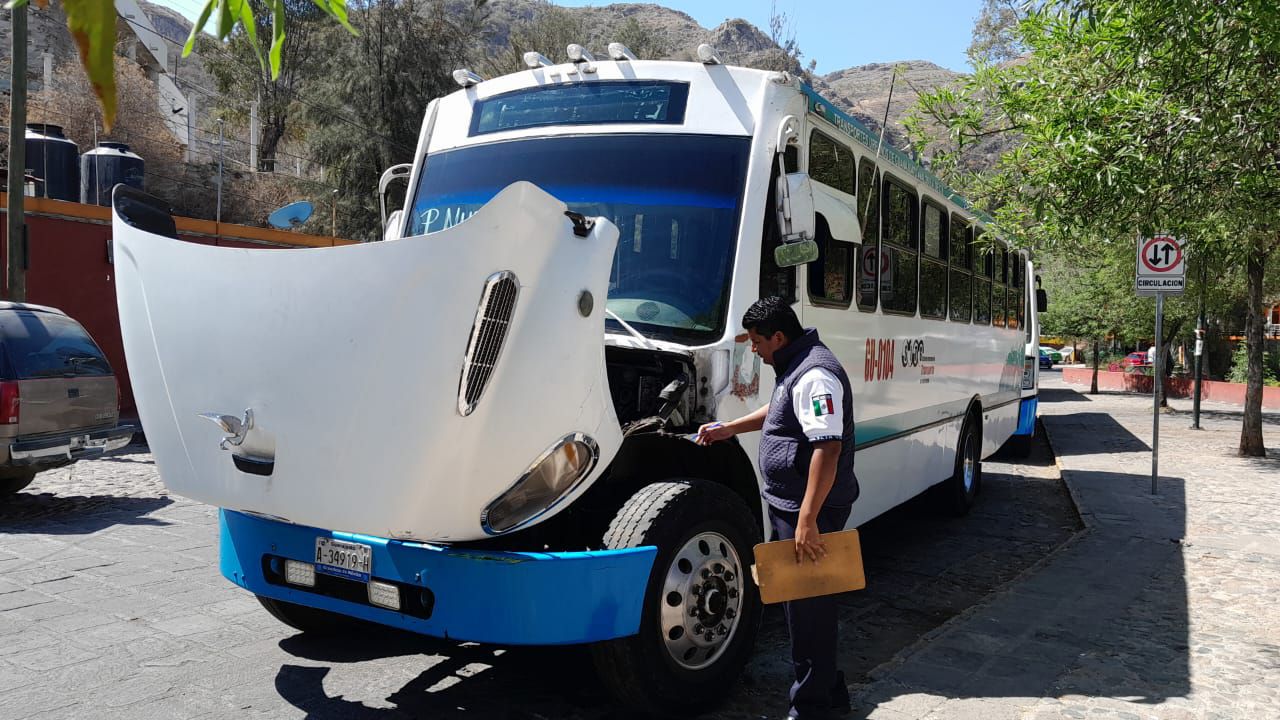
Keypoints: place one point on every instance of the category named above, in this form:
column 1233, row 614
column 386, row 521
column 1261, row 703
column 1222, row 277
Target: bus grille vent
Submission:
column 488, row 334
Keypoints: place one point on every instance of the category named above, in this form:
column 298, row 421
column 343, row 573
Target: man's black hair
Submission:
column 769, row 315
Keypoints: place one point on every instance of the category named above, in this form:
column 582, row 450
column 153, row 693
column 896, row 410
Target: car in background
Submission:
column 1046, row 360
column 1053, row 354
column 59, row 399
column 1068, row 354
column 1135, row 359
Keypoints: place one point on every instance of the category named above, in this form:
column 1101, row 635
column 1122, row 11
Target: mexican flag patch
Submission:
column 822, row 405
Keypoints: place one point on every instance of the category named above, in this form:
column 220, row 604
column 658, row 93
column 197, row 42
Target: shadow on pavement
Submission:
column 1106, row 617
column 1059, row 395
column 924, row 567
column 55, row 514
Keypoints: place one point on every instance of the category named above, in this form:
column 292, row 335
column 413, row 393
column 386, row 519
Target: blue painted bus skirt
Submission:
column 1027, row 416
column 508, row 598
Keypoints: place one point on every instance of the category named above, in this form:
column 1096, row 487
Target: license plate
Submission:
column 344, row 559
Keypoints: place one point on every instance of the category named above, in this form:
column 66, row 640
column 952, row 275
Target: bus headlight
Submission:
column 1028, row 373
column 552, row 476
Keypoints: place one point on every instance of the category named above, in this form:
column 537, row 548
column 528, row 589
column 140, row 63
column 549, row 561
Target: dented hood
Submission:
column 350, row 362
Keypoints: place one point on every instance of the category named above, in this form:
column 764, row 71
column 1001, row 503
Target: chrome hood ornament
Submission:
column 237, row 429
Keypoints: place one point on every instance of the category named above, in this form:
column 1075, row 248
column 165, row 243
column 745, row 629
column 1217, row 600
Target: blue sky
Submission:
column 836, row 33
column 843, row 33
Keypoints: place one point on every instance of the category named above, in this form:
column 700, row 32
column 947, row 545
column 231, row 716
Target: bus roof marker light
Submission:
column 466, row 78
column 707, row 55
column 621, row 52
column 535, row 60
column 580, row 57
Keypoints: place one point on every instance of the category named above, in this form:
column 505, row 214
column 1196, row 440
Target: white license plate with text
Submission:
column 344, row 559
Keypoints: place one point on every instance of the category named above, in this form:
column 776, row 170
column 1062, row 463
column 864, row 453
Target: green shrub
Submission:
column 1239, row 372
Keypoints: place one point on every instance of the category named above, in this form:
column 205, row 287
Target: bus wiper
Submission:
column 632, row 331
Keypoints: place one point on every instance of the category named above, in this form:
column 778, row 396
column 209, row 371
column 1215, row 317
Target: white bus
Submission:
column 479, row 429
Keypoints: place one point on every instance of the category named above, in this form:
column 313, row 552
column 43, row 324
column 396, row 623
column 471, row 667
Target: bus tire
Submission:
column 305, row 619
column 966, row 480
column 701, row 612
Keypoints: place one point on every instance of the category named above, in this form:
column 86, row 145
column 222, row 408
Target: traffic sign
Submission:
column 1161, row 266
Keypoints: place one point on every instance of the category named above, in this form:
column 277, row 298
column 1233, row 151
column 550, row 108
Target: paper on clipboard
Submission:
column 780, row 578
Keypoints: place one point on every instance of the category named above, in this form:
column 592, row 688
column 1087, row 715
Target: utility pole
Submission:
column 253, row 136
column 218, row 217
column 16, row 257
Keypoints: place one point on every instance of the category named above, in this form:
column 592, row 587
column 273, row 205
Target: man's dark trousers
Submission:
column 813, row 624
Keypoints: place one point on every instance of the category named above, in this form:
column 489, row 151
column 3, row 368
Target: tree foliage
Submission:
column 995, row 33
column 366, row 106
column 1136, row 116
column 241, row 80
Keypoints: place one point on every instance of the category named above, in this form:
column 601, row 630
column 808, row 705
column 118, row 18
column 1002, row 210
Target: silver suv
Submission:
column 59, row 399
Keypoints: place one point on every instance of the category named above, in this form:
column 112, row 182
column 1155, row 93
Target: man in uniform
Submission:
column 806, row 457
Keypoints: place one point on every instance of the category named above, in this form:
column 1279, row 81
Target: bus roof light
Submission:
column 620, row 52
column 707, row 55
column 579, row 56
column 466, row 78
column 536, row 60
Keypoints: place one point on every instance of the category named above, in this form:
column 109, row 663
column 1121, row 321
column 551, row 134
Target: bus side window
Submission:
column 773, row 279
column 830, row 276
column 999, row 290
column 981, row 280
column 899, row 241
column 831, row 163
column 960, row 299
column 933, row 263
column 868, row 257
column 1013, row 316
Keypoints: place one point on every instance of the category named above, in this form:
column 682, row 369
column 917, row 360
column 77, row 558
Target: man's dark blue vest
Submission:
column 785, row 451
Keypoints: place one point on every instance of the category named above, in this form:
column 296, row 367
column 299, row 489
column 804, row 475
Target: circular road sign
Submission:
column 1161, row 254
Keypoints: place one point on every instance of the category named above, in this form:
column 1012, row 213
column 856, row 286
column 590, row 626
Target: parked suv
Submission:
column 59, row 400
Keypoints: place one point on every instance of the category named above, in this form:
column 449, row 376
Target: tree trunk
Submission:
column 1093, row 386
column 1251, row 431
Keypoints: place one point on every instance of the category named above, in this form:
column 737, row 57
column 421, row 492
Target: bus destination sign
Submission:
column 1161, row 266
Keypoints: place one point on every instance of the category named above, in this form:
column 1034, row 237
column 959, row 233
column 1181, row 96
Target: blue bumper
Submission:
column 1027, row 416
column 509, row 598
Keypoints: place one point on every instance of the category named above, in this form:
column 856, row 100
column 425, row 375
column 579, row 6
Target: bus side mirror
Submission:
column 1042, row 300
column 392, row 174
column 797, row 221
column 391, row 229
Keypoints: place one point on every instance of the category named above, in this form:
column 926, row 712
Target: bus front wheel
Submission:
column 701, row 611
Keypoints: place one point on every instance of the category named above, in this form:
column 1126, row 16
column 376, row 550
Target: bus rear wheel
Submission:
column 961, row 490
column 701, row 612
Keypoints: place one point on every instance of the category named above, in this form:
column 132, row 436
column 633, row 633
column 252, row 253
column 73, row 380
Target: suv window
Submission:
column 41, row 345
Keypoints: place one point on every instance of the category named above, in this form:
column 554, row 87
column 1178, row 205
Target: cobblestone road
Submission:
column 1163, row 608
column 111, row 606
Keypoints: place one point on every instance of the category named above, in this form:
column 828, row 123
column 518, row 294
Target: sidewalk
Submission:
column 1165, row 606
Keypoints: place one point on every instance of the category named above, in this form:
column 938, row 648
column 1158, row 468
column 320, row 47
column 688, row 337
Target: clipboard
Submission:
column 780, row 578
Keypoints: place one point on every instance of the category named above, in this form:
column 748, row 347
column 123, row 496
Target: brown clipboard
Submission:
column 780, row 578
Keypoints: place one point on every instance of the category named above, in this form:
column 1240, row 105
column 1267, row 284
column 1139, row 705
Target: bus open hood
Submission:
column 330, row 378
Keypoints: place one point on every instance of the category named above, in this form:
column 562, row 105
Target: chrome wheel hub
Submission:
column 701, row 600
column 968, row 463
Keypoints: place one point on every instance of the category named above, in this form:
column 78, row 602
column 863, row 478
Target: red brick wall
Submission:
column 1214, row 390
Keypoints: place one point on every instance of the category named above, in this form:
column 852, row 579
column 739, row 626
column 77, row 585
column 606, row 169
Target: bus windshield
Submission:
column 674, row 198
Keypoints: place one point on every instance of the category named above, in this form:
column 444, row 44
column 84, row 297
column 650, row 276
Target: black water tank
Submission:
column 104, row 166
column 55, row 160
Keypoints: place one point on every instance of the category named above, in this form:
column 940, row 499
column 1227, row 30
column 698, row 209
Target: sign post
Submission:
column 1161, row 271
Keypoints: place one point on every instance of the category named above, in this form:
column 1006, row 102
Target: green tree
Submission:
column 1131, row 117
column 365, row 108
column 995, row 33
column 241, row 80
